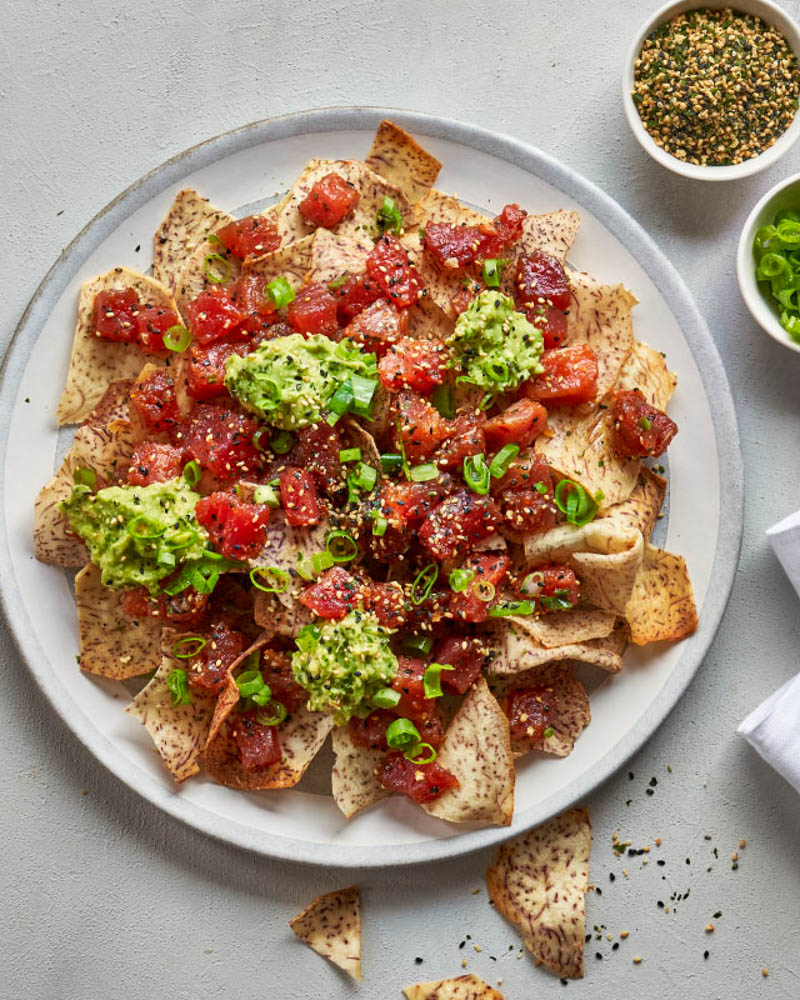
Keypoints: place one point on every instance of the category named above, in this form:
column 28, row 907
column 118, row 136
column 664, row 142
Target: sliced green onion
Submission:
column 423, row 473
column 492, row 272
column 413, row 754
column 444, row 401
column 574, row 502
column 340, row 402
column 540, row 487
column 559, row 601
column 645, row 423
column 141, row 527
column 181, row 540
column 337, row 283
column 386, row 698
column 280, row 576
column 184, row 650
column 216, row 260
column 213, row 238
column 402, row 734
column 266, row 494
column 307, row 638
column 204, row 579
column 512, row 608
column 261, row 439
column 476, row 473
column 498, row 467
column 483, row 590
column 423, row 583
column 176, row 682
column 281, row 442
column 389, row 218
column 192, row 473
column 549, row 732
column 177, row 338
column 321, row 561
column 460, row 579
column 363, row 391
column 432, row 681
column 379, row 526
column 251, row 683
column 84, row 476
column 487, row 401
column 391, row 462
column 279, row 292
column 303, row 570
column 364, row 477
column 350, row 455
column 279, row 714
column 342, row 546
column 421, row 644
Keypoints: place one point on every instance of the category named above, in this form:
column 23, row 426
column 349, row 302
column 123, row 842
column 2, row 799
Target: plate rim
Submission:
column 671, row 287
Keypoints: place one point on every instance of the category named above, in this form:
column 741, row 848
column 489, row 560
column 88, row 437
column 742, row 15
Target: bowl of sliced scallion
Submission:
column 768, row 263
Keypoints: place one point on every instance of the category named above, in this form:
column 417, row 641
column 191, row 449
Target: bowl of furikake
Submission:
column 711, row 91
column 768, row 263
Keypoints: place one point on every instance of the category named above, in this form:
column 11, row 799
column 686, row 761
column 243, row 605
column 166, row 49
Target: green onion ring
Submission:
column 211, row 260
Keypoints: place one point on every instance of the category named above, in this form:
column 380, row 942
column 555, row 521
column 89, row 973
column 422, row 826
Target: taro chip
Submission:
column 278, row 619
column 96, row 363
column 112, row 643
column 571, row 713
column 662, row 605
column 210, row 265
column 605, row 556
column 581, row 447
column 538, row 881
column 575, row 625
column 331, row 925
column 646, row 370
column 372, row 190
column 291, row 549
column 477, row 750
column 601, row 316
column 333, row 256
column 188, row 222
column 300, row 738
column 640, row 511
column 467, row 987
column 399, row 158
column 353, row 779
column 516, row 650
column 179, row 732
column 103, row 444
column 290, row 262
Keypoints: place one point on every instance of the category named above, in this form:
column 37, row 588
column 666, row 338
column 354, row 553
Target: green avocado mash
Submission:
column 136, row 535
column 496, row 346
column 343, row 664
column 289, row 381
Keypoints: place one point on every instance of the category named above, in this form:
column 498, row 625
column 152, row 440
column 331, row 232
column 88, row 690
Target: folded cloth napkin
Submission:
column 774, row 727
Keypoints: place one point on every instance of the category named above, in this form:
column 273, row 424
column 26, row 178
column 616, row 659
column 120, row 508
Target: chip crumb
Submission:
column 742, row 843
column 709, row 928
column 463, row 963
column 637, row 959
column 669, row 768
column 765, row 972
column 475, row 892
column 658, row 841
column 477, row 947
column 624, row 934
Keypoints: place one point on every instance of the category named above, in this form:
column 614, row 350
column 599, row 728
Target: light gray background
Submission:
column 102, row 896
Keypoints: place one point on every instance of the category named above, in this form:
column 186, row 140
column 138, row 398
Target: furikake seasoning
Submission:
column 716, row 87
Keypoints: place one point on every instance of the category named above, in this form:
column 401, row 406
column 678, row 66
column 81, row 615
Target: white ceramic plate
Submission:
column 247, row 168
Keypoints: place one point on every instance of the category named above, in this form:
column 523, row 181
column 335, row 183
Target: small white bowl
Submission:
column 763, row 309
column 768, row 12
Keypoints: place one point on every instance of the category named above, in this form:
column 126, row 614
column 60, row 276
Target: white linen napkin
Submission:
column 774, row 727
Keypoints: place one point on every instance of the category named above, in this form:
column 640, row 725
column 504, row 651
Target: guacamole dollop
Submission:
column 496, row 347
column 289, row 381
column 136, row 535
column 343, row 664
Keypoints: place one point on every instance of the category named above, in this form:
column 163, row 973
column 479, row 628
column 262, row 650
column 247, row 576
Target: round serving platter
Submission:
column 250, row 167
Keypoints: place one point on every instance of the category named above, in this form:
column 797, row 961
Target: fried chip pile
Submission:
column 630, row 589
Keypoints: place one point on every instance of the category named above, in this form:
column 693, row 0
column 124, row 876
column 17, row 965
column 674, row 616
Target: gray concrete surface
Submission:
column 102, row 896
